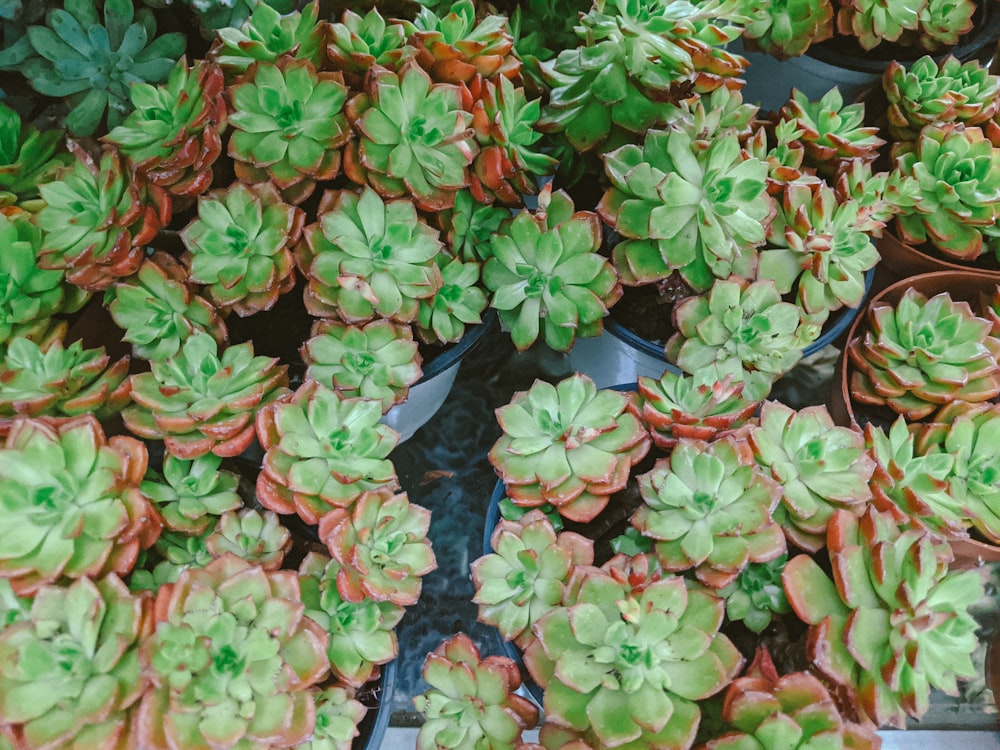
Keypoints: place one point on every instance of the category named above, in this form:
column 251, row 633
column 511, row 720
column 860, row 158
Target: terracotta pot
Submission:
column 906, row 260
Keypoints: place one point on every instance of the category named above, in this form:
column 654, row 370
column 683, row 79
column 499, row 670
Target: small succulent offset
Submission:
column 174, row 134
column 368, row 258
column 201, row 402
column 258, row 538
column 359, row 43
column 69, row 672
column 626, row 661
column 527, row 574
column 471, row 703
column 413, row 138
column 231, row 661
column 173, row 553
column 240, row 246
column 459, row 302
column 94, row 64
column 699, row 211
column 922, row 354
column 191, row 495
column 70, row 503
column 893, row 623
column 546, row 269
column 288, row 126
column 785, row 30
column 930, row 25
column 268, row 35
column 323, row 452
column 569, row 445
column 382, row 544
column 958, row 205
column 29, row 157
column 820, row 467
column 710, row 510
column 378, row 360
column 361, row 635
column 757, row 595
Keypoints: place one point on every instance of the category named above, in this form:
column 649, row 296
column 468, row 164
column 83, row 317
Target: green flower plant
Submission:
column 266, row 36
column 757, row 595
column 358, row 43
column 258, row 538
column 458, row 304
column 338, row 715
column 191, row 495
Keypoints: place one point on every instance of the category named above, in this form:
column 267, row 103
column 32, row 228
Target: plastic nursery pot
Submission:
column 377, row 721
column 904, row 259
column 620, row 356
column 428, row 394
column 825, row 65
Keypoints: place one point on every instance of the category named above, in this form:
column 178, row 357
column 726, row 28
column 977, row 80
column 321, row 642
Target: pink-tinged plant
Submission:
column 323, row 452
column 231, row 662
column 471, row 704
column 382, row 544
column 569, row 445
column 70, row 503
column 338, row 715
column 893, row 622
column 710, row 509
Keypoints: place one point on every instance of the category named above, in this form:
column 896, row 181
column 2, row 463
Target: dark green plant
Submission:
column 757, row 595
column 216, row 15
column 268, row 35
column 28, row 158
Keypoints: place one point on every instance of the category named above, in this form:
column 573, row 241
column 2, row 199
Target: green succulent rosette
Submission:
column 174, row 134
column 471, row 701
column 710, row 510
column 872, row 22
column 70, row 671
column 323, row 452
column 158, row 310
column 202, row 402
column 361, row 634
column 358, row 43
column 756, row 595
column 586, row 659
column 546, row 270
column 699, row 211
column 746, row 330
column 70, row 503
column 221, row 14
column 258, row 538
column 785, row 30
column 338, row 716
column 469, row 225
column 94, row 63
column 893, row 623
column 231, row 661
column 240, row 246
column 173, row 553
column 28, row 158
column 943, row 22
column 458, row 304
column 191, row 495
column 268, row 35
column 413, row 138
column 378, row 360
column 958, row 204
column 288, row 126
column 368, row 258
column 381, row 543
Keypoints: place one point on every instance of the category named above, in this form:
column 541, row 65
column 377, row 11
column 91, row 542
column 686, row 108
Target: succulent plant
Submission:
column 322, row 452
column 779, row 147
column 832, row 132
column 820, row 467
column 368, row 258
column 240, row 246
column 958, row 171
column 709, row 508
column 768, row 712
column 818, row 247
column 60, row 381
column 221, row 14
column 191, row 495
column 29, row 296
column 13, row 608
column 698, row 406
column 785, row 30
column 173, row 553
column 469, row 225
column 526, row 575
column 746, row 330
column 623, row 662
column 96, row 220
column 360, row 42
column 722, row 112
column 70, row 671
column 699, row 211
column 893, row 623
column 268, row 35
column 338, row 715
column 546, row 268
column 471, row 703
column 757, row 594
column 459, row 302
column 413, row 138
column 258, row 538
column 174, row 134
column 879, row 195
column 873, row 21
column 361, row 634
column 28, row 158
column 382, row 544
column 158, row 310
column 201, row 402
column 378, row 360
column 923, row 353
column 543, row 27
column 288, row 126
column 71, row 503
column 232, row 661
column 943, row 22
column 569, row 445
column 935, row 93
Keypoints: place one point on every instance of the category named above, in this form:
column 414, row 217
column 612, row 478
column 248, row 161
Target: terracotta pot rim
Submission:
column 905, row 259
